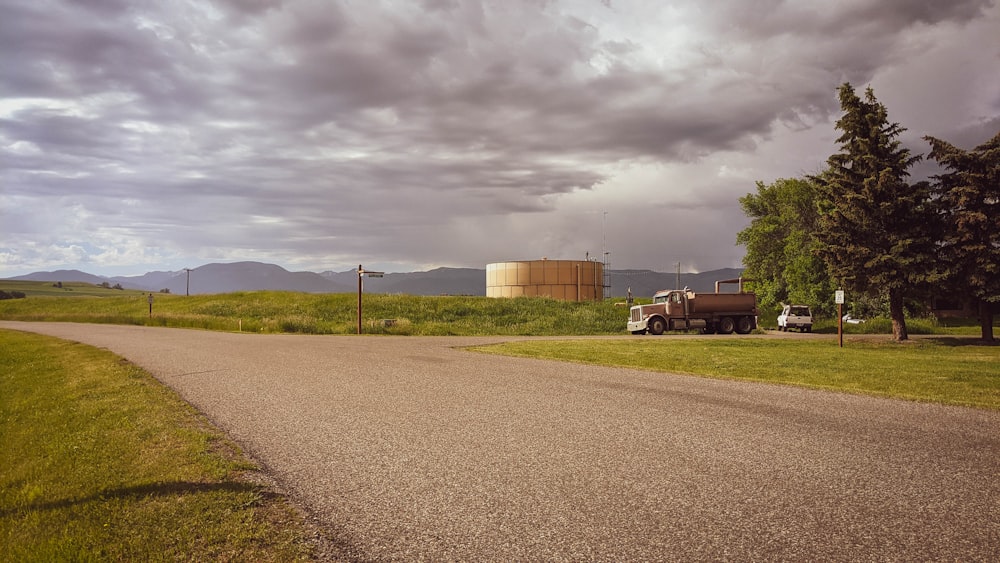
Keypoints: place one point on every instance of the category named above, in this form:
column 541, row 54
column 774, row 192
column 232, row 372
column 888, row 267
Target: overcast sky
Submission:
column 407, row 135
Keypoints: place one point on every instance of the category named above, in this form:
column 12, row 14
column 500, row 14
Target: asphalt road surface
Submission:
column 409, row 448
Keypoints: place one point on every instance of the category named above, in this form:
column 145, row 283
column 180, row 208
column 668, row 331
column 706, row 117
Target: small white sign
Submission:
column 838, row 297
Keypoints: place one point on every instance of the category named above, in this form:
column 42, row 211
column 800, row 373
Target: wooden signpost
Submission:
column 838, row 298
column 361, row 273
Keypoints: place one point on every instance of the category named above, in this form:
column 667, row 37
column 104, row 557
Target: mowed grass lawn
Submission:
column 947, row 370
column 100, row 462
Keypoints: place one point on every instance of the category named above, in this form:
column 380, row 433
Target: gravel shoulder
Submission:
column 412, row 448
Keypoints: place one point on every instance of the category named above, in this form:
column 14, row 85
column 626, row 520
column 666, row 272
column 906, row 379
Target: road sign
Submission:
column 361, row 273
column 838, row 298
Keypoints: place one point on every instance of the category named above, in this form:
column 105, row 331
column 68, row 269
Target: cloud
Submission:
column 443, row 132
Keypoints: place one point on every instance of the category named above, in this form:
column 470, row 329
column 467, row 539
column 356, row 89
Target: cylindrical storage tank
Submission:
column 569, row 280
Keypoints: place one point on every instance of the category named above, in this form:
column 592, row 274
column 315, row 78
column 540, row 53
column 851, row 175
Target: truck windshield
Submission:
column 674, row 296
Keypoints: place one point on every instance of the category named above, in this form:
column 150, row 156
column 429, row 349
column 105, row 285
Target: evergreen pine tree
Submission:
column 875, row 229
column 969, row 195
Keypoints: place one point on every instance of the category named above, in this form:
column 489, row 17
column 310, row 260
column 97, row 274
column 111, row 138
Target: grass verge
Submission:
column 953, row 371
column 101, row 462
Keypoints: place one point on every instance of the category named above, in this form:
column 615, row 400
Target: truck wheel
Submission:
column 744, row 325
column 726, row 325
column 657, row 326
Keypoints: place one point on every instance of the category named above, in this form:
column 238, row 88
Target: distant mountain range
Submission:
column 250, row 276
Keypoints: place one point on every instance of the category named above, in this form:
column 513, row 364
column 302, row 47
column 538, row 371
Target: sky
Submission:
column 141, row 136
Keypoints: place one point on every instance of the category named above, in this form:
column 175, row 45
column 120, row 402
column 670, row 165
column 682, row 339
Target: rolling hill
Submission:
column 250, row 276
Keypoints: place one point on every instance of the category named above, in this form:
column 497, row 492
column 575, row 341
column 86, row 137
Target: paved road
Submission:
column 408, row 448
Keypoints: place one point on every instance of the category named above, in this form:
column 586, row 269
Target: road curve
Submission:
column 408, row 448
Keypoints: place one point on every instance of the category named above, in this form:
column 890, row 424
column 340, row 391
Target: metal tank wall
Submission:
column 569, row 280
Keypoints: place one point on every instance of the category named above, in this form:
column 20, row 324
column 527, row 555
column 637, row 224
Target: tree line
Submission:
column 862, row 226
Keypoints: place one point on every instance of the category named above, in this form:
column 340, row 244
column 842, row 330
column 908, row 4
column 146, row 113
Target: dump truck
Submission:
column 709, row 313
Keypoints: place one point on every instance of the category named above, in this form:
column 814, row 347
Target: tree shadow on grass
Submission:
column 326, row 543
column 141, row 491
column 956, row 341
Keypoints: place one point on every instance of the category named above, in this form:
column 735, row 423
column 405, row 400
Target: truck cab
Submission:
column 669, row 311
column 674, row 299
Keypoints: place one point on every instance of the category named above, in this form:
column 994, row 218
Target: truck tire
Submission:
column 744, row 325
column 726, row 325
column 657, row 326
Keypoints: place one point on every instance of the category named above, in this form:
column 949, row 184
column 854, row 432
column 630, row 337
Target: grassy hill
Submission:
column 257, row 276
column 64, row 289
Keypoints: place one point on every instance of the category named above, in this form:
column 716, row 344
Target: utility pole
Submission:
column 604, row 234
column 606, row 282
column 187, row 289
column 678, row 283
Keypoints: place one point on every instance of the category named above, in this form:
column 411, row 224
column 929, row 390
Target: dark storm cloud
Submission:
column 766, row 19
column 276, row 125
column 79, row 49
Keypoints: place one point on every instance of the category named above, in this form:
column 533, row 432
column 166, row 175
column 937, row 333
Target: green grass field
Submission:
column 288, row 312
column 67, row 289
column 99, row 462
column 304, row 313
column 947, row 370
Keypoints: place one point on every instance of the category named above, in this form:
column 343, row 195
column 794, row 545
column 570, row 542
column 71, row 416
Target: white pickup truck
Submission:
column 795, row 316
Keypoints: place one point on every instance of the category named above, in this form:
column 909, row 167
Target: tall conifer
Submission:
column 970, row 200
column 875, row 229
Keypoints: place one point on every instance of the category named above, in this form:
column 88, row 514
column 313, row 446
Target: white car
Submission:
column 795, row 316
